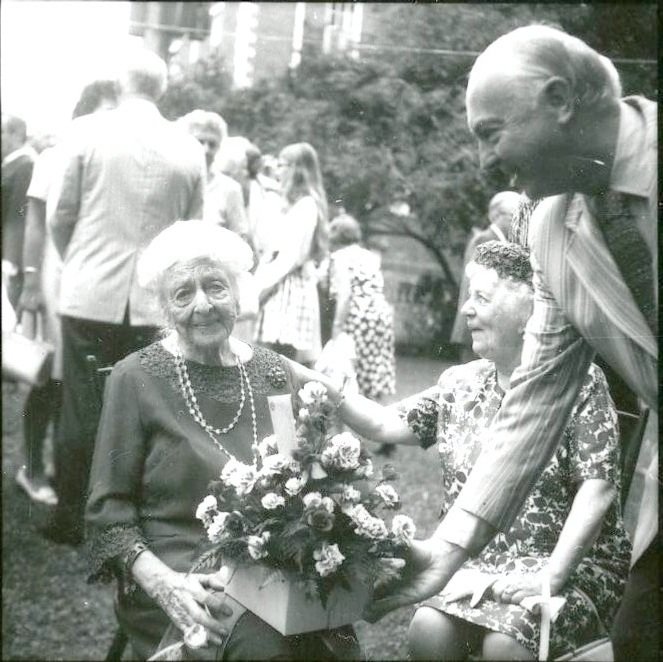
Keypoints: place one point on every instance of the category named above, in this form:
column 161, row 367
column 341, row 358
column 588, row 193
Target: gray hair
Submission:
column 16, row 126
column 144, row 72
column 510, row 261
column 184, row 241
column 344, row 230
column 539, row 52
column 207, row 121
column 504, row 202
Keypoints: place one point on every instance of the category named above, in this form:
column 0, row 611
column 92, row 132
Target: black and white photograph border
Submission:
column 379, row 92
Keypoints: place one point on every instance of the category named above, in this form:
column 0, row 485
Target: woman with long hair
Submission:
column 289, row 319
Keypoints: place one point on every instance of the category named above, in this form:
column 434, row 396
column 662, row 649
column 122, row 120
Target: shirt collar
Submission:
column 627, row 174
column 24, row 150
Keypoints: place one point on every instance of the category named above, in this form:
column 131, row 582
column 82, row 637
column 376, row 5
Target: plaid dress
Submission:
column 291, row 314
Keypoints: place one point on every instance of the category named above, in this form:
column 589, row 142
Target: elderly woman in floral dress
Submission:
column 569, row 530
column 174, row 414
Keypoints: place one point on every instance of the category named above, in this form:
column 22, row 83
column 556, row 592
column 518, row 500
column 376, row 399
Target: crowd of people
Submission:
column 211, row 276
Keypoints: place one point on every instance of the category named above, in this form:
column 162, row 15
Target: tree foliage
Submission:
column 391, row 127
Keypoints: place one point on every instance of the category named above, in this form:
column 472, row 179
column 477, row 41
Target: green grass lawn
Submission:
column 51, row 613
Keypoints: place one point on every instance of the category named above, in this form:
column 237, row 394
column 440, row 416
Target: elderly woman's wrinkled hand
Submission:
column 515, row 587
column 468, row 583
column 194, row 600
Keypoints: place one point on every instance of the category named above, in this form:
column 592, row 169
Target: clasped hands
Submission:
column 510, row 588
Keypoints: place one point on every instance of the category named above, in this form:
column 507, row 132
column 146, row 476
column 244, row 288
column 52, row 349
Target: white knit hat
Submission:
column 187, row 240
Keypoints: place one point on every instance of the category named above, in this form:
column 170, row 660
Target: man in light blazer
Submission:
column 545, row 109
column 128, row 173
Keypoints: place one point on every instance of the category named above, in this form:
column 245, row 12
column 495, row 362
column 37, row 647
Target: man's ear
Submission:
column 556, row 94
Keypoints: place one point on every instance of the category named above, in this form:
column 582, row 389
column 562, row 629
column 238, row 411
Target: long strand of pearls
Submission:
column 192, row 405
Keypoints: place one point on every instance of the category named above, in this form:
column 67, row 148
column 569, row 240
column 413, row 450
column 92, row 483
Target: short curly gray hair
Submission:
column 510, row 261
column 207, row 121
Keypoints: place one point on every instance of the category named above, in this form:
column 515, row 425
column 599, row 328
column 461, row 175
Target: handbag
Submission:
column 26, row 356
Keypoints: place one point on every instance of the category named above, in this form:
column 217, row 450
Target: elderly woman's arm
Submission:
column 294, row 247
column 117, row 547
column 594, row 462
column 580, row 531
column 370, row 419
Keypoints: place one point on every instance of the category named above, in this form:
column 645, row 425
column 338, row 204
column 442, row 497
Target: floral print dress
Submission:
column 455, row 414
column 370, row 318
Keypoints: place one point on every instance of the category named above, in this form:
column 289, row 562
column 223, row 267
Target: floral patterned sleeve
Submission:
column 420, row 412
column 593, row 432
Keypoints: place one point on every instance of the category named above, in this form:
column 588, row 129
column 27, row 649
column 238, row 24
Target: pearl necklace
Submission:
column 194, row 409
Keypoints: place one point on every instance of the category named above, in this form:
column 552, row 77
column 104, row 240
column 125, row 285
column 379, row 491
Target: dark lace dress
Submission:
column 152, row 465
column 454, row 414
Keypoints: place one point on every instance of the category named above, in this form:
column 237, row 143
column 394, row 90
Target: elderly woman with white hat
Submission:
column 174, row 413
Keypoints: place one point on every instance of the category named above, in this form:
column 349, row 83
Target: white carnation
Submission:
column 256, row 545
column 327, row 504
column 327, row 559
column 240, row 476
column 294, row 486
column 365, row 524
column 342, row 452
column 271, row 501
column 206, row 508
column 312, row 500
column 403, row 528
column 275, row 464
column 313, row 393
column 217, row 527
column 388, row 495
column 350, row 494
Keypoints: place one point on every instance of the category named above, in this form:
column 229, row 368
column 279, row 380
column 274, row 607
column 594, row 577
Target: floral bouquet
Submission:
column 312, row 514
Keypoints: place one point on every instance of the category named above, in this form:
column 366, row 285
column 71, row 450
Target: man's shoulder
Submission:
column 17, row 168
column 548, row 217
column 644, row 105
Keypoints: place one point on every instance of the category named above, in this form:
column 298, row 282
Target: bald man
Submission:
column 501, row 209
column 545, row 109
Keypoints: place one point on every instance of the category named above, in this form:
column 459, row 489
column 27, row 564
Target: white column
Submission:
column 298, row 35
column 245, row 39
column 216, row 12
column 357, row 24
column 328, row 29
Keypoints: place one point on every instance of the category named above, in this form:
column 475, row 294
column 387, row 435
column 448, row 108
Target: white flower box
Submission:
column 283, row 603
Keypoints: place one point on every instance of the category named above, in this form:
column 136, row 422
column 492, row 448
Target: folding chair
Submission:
column 96, row 379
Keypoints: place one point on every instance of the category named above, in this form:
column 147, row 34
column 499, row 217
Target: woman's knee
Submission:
column 498, row 646
column 434, row 635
